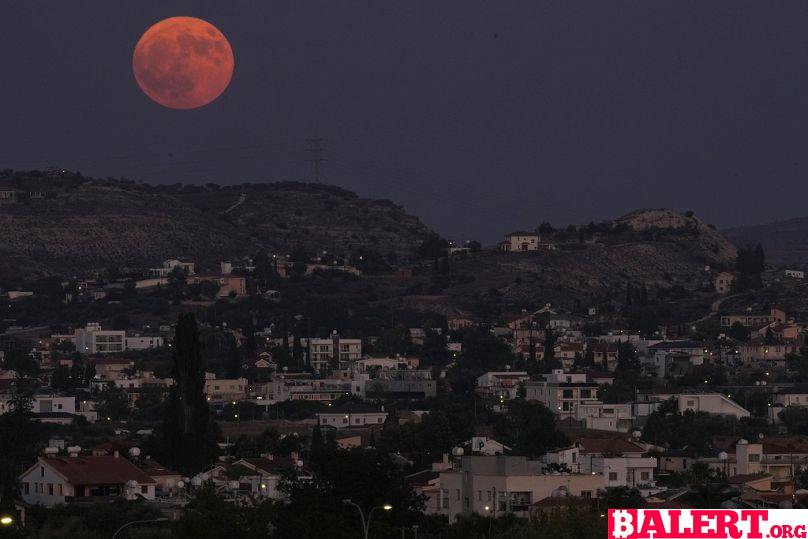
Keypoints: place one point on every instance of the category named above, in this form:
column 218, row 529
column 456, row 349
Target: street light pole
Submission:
column 366, row 523
column 134, row 522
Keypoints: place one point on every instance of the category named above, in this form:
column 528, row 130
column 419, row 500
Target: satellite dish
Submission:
column 457, row 451
column 134, row 452
column 180, row 484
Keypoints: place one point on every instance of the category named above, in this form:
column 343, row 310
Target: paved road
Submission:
column 716, row 306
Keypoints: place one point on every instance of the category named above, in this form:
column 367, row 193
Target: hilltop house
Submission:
column 751, row 319
column 760, row 349
column 169, row 266
column 520, row 241
column 724, row 282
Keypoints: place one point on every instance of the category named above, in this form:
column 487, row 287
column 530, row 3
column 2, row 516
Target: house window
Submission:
column 457, row 494
column 586, row 494
column 50, row 489
column 567, row 394
column 25, row 488
column 41, row 471
column 479, row 495
column 344, row 420
column 59, row 491
column 644, row 476
column 445, row 497
column 612, row 476
column 144, row 489
column 378, row 420
column 691, row 403
column 754, row 457
column 586, row 393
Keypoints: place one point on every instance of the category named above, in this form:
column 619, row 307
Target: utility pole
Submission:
column 315, row 150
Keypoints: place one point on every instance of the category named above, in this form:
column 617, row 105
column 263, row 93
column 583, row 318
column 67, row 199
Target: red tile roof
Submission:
column 155, row 469
column 97, row 470
column 608, row 445
column 270, row 465
column 112, row 361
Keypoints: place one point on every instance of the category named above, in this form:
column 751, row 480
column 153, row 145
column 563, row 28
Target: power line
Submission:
column 315, row 151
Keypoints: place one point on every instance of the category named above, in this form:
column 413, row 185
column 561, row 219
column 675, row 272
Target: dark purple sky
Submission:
column 479, row 117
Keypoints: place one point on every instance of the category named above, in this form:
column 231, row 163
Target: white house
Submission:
column 501, row 385
column 520, row 241
column 712, row 403
column 353, row 415
column 796, row 274
column 56, row 480
column 260, row 476
column 601, row 416
column 791, row 397
column 169, row 266
column 225, row 389
column 627, row 471
column 486, row 446
column 663, row 355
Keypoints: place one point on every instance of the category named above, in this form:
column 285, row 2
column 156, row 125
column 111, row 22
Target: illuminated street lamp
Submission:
column 137, row 522
column 6, row 520
column 366, row 523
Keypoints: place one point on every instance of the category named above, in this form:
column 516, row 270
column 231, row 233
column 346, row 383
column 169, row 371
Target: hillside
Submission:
column 785, row 242
column 667, row 252
column 68, row 224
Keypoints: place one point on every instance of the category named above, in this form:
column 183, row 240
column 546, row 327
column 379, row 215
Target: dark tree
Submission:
column 432, row 247
column 738, row 332
column 189, row 436
column 528, row 427
column 233, row 363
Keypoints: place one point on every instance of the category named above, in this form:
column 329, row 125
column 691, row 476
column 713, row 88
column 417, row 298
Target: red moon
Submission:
column 183, row 62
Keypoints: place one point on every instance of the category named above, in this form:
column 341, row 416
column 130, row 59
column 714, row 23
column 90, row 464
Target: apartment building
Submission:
column 499, row 485
column 563, row 392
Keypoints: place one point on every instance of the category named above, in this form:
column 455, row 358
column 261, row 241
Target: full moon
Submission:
column 183, row 62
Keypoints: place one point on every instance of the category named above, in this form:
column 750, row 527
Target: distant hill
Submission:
column 785, row 242
column 592, row 265
column 66, row 224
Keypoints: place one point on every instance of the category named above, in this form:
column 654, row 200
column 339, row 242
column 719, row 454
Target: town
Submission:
column 281, row 392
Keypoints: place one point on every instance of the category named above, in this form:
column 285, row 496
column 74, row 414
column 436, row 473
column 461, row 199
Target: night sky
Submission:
column 479, row 117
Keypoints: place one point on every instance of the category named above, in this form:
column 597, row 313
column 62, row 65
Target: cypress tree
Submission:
column 188, row 429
